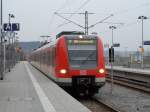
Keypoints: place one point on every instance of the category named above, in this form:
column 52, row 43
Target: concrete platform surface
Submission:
column 25, row 89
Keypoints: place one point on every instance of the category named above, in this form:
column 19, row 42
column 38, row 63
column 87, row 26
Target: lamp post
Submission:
column 13, row 48
column 111, row 64
column 10, row 16
column 142, row 49
column 45, row 40
column 10, row 37
column 112, row 28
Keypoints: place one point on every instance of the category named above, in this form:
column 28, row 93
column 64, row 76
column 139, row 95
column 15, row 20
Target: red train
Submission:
column 74, row 60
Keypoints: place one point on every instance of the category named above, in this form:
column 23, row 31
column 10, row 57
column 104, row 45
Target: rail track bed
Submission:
column 130, row 93
column 133, row 78
column 124, row 99
column 135, row 84
column 96, row 106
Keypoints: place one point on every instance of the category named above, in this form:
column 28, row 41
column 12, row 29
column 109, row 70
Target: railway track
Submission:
column 134, row 78
column 97, row 105
column 138, row 81
column 136, row 84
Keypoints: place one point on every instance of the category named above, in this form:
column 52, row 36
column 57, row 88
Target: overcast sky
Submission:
column 37, row 18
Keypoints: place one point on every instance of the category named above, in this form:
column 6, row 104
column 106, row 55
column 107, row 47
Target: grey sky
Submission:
column 37, row 18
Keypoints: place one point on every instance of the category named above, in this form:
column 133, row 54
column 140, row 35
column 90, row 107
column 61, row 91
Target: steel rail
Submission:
column 107, row 104
column 132, row 84
column 134, row 76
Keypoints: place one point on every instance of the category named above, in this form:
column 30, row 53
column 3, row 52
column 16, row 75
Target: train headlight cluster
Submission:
column 101, row 71
column 63, row 71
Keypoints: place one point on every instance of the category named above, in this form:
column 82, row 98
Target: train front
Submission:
column 85, row 69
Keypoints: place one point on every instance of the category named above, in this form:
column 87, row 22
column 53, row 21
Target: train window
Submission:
column 82, row 53
column 53, row 56
column 48, row 57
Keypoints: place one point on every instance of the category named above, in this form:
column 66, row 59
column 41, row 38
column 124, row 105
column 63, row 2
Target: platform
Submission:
column 25, row 89
column 133, row 70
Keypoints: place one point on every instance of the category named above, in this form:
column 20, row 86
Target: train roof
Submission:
column 81, row 36
column 45, row 46
column 69, row 33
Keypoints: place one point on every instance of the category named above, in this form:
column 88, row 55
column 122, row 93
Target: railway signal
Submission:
column 111, row 54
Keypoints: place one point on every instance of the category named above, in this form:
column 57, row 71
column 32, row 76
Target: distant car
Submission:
column 74, row 60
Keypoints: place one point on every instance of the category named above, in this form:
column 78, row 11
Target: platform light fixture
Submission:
column 112, row 55
column 142, row 18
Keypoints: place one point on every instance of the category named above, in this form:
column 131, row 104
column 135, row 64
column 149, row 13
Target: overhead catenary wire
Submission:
column 117, row 14
column 101, row 21
column 131, row 9
column 75, row 12
column 68, row 20
column 127, row 11
column 86, row 21
column 128, row 24
column 53, row 15
column 62, row 6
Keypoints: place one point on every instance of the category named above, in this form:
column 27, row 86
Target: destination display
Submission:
column 81, row 42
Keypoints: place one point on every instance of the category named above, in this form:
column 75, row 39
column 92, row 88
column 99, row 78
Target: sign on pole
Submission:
column 146, row 42
column 15, row 26
column 7, row 27
column 116, row 45
column 11, row 26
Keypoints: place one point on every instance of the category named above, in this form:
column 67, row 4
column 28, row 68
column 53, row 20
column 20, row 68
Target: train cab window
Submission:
column 82, row 53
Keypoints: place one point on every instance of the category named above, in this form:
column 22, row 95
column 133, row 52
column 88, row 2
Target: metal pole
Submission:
column 86, row 22
column 112, row 72
column 1, row 49
column 9, row 48
column 142, row 47
column 9, row 56
column 13, row 53
column 112, row 38
column 9, row 17
column 142, row 53
column 4, row 65
column 112, row 63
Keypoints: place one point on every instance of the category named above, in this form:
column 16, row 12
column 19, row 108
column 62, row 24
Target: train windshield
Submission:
column 82, row 53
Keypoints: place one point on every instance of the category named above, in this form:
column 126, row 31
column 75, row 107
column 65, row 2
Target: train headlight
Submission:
column 101, row 70
column 80, row 36
column 63, row 71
